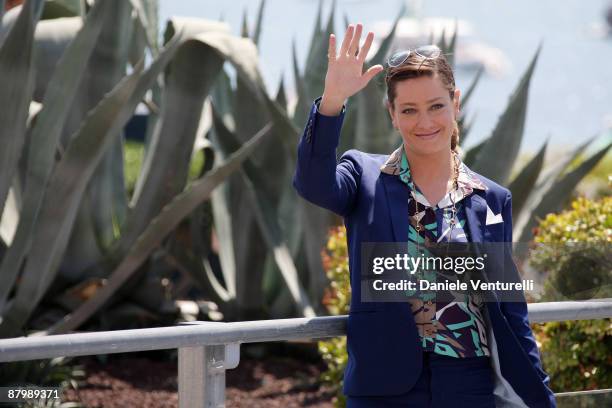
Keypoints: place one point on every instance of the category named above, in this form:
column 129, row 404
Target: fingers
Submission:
column 331, row 51
column 372, row 72
column 348, row 36
column 354, row 46
column 363, row 52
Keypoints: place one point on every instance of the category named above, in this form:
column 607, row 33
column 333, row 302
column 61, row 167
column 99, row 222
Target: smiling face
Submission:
column 424, row 114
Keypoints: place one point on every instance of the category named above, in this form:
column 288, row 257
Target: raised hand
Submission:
column 345, row 76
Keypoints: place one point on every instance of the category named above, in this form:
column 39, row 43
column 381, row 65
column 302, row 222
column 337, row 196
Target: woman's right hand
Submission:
column 345, row 76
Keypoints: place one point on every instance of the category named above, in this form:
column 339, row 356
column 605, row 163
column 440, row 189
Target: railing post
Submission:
column 201, row 373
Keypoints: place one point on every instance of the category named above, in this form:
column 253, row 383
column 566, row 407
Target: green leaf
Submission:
column 190, row 27
column 244, row 30
column 264, row 207
column 258, row 24
column 546, row 181
column 316, row 64
column 52, row 38
column 45, row 137
column 72, row 174
column 16, row 88
column 303, row 103
column 191, row 76
column 317, row 32
column 523, row 183
column 471, row 154
column 223, row 96
column 507, row 135
column 281, row 96
column 146, row 13
column 66, row 185
column 107, row 202
column 181, row 206
column 373, row 131
column 557, row 195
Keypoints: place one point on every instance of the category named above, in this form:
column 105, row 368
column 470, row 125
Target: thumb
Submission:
column 372, row 72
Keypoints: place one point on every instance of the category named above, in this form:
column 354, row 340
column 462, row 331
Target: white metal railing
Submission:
column 207, row 349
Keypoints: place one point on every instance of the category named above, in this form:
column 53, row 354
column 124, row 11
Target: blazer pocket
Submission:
column 494, row 232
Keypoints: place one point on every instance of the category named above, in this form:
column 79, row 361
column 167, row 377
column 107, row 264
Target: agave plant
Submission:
column 74, row 220
column 77, row 231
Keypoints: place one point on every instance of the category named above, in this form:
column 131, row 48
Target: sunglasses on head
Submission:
column 425, row 51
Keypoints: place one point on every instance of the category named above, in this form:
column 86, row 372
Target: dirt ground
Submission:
column 143, row 382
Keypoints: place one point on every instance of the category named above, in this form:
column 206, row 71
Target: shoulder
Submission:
column 498, row 199
column 494, row 188
column 366, row 162
column 494, row 191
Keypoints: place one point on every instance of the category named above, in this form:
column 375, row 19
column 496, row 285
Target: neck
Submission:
column 432, row 169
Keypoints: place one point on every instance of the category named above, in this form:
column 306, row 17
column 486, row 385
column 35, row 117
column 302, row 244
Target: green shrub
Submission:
column 575, row 251
column 574, row 248
column 336, row 299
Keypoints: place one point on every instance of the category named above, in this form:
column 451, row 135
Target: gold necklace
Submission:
column 419, row 226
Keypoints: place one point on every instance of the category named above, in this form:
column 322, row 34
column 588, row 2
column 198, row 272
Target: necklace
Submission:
column 419, row 226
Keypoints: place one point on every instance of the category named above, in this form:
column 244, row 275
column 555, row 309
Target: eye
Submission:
column 409, row 110
column 437, row 106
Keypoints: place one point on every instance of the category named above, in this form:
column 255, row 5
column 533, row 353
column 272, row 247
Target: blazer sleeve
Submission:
column 319, row 177
column 516, row 312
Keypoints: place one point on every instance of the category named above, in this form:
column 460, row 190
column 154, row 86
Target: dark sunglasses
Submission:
column 425, row 51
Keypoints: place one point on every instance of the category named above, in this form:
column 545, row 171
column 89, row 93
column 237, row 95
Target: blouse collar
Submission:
column 397, row 165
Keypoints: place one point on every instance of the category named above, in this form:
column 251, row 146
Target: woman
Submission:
column 422, row 352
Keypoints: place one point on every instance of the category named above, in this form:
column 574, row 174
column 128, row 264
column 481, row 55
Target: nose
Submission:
column 424, row 121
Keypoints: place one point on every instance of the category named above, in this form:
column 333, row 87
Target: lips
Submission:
column 427, row 135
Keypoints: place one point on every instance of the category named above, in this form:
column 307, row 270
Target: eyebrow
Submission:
column 429, row 101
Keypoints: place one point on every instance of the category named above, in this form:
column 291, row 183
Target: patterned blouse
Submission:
column 451, row 328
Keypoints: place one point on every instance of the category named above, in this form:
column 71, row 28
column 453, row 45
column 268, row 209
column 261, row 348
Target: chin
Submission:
column 428, row 147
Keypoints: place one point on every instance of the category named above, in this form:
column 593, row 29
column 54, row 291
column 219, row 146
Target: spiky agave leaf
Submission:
column 191, row 75
column 68, row 182
column 522, row 185
column 66, row 185
column 264, row 204
column 181, row 206
column 558, row 193
column 508, row 133
column 16, row 87
column 44, row 139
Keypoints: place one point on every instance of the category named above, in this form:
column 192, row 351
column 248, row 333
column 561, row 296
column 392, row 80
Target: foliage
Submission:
column 78, row 242
column 337, row 300
column 574, row 247
column 576, row 354
column 57, row 372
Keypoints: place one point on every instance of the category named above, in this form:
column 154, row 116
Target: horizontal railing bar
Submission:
column 572, row 310
column 583, row 393
column 159, row 338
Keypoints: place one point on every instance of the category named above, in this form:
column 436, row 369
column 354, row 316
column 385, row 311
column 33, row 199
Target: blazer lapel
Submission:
column 476, row 211
column 397, row 201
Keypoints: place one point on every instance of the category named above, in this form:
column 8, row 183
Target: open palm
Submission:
column 345, row 76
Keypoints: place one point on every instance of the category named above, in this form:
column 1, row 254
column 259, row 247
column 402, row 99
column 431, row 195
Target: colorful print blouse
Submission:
column 451, row 328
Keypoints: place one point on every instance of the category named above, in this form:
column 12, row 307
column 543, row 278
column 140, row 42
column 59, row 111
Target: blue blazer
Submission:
column 382, row 337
